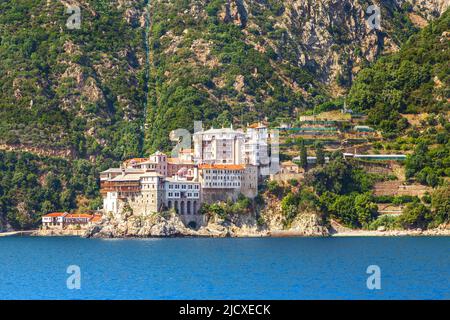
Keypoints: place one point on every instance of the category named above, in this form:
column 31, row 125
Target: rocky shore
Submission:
column 394, row 233
column 337, row 230
column 170, row 225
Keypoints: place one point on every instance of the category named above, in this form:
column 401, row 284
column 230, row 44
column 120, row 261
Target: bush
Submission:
column 389, row 222
column 274, row 188
column 415, row 215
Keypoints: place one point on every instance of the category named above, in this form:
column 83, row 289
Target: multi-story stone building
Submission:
column 229, row 146
column 223, row 164
column 221, row 182
column 182, row 195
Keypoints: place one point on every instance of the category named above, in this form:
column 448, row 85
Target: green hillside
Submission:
column 413, row 80
column 73, row 102
column 72, row 91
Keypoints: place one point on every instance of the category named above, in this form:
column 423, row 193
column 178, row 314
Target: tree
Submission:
column 367, row 210
column 440, row 202
column 47, row 207
column 303, row 156
column 289, row 207
column 415, row 215
column 320, row 154
column 344, row 210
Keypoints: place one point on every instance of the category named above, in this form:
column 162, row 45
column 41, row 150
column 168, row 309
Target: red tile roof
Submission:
column 55, row 214
column 96, row 218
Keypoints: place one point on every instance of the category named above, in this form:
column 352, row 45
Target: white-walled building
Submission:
column 219, row 146
column 257, row 145
column 233, row 147
column 182, row 195
column 64, row 219
column 223, row 164
column 157, row 162
column 221, row 176
column 221, row 182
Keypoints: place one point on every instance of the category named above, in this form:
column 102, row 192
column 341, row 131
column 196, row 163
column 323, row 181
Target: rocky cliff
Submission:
column 265, row 221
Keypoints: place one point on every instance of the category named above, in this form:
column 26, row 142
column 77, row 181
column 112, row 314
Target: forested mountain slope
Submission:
column 82, row 93
column 413, row 80
column 239, row 60
column 72, row 92
column 79, row 99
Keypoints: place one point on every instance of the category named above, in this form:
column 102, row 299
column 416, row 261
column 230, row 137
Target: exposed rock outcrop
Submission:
column 169, row 224
column 153, row 225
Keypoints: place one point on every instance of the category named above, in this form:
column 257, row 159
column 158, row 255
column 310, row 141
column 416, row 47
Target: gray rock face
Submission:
column 154, row 225
column 170, row 225
column 330, row 38
column 333, row 37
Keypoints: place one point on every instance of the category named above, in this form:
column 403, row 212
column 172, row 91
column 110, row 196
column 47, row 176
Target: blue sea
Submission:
column 231, row 268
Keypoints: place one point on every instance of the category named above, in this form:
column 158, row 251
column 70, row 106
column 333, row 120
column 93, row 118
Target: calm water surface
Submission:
column 267, row 268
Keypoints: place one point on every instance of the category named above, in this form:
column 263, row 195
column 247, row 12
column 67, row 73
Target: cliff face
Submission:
column 259, row 223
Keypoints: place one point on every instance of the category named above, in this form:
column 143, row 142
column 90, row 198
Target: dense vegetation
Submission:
column 32, row 185
column 72, row 93
column 252, row 61
column 413, row 80
column 73, row 90
column 341, row 190
column 203, row 68
column 81, row 95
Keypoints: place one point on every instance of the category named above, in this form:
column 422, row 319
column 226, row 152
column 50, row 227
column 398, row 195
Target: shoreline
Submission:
column 18, row 233
column 270, row 234
column 393, row 233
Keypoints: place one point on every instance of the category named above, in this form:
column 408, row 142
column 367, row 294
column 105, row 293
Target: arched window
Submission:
column 194, row 207
column 182, row 208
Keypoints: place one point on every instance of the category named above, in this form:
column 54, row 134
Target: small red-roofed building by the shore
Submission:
column 96, row 218
column 64, row 219
column 53, row 219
